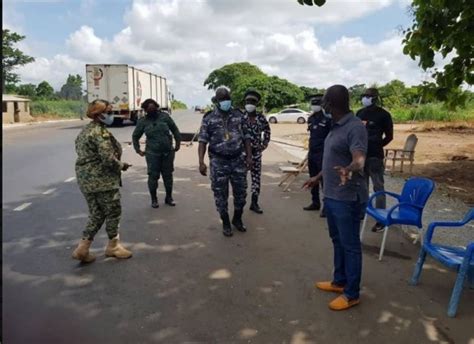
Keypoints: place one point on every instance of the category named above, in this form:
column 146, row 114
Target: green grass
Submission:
column 432, row 112
column 58, row 108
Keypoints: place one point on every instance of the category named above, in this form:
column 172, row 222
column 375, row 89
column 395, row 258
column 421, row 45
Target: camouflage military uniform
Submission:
column 225, row 133
column 257, row 129
column 159, row 150
column 98, row 171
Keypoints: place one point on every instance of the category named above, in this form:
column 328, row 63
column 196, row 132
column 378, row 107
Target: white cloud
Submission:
column 185, row 40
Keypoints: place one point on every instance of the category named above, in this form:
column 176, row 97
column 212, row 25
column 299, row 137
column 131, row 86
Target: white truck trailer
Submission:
column 126, row 87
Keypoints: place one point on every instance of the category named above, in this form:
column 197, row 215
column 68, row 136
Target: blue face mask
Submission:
column 328, row 115
column 225, row 105
column 106, row 119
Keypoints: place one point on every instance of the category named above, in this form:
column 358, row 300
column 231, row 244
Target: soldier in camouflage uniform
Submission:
column 159, row 153
column 225, row 131
column 260, row 132
column 98, row 171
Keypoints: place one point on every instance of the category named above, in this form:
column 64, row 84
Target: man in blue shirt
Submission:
column 345, row 190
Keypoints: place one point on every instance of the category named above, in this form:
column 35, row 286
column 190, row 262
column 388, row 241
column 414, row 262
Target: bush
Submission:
column 58, row 108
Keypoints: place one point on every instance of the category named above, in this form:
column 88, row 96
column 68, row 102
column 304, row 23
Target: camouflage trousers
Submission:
column 256, row 173
column 223, row 172
column 103, row 207
column 160, row 164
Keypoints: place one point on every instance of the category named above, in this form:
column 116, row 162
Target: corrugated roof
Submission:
column 14, row 98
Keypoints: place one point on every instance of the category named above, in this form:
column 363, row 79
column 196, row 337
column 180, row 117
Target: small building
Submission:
column 15, row 109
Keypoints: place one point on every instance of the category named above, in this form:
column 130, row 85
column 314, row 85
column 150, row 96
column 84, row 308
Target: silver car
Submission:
column 289, row 115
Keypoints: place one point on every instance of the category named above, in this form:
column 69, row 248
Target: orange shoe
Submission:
column 341, row 303
column 328, row 286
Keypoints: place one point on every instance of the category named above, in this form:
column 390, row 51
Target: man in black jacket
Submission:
column 379, row 126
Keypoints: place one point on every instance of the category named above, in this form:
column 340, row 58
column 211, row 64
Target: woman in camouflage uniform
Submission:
column 98, row 171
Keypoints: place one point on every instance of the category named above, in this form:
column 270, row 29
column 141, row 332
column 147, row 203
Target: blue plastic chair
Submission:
column 408, row 210
column 458, row 259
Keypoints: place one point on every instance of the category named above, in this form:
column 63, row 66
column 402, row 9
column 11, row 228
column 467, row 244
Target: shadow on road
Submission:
column 186, row 282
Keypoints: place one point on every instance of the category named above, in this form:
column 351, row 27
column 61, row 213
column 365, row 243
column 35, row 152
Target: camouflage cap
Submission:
column 96, row 108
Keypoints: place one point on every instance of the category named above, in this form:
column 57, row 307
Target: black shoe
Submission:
column 237, row 221
column 254, row 206
column 322, row 213
column 169, row 200
column 226, row 227
column 378, row 227
column 312, row 206
column 154, row 202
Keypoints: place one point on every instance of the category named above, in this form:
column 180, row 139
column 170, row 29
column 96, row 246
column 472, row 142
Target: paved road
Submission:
column 187, row 283
column 38, row 155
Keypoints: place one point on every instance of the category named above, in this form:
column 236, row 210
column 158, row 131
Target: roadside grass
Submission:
column 58, row 109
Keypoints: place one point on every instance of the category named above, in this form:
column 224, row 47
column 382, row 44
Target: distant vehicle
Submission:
column 125, row 88
column 197, row 108
column 289, row 115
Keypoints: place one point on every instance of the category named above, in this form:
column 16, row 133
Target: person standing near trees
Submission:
column 159, row 152
column 260, row 138
column 230, row 155
column 319, row 126
column 379, row 126
column 98, row 171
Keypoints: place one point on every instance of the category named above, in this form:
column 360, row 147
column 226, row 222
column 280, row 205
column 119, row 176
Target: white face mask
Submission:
column 366, row 101
column 315, row 108
column 107, row 119
column 250, row 107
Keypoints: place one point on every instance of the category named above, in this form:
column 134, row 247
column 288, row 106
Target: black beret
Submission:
column 251, row 94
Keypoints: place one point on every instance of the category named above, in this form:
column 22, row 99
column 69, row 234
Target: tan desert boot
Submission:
column 82, row 251
column 115, row 249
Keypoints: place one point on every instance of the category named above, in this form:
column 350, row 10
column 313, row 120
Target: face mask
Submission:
column 315, row 108
column 366, row 101
column 327, row 114
column 225, row 105
column 250, row 108
column 106, row 119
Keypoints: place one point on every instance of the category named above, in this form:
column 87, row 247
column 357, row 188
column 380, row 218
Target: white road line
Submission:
column 70, row 179
column 22, row 207
column 50, row 191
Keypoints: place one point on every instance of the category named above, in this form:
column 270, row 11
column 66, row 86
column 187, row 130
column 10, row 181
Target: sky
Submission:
column 344, row 42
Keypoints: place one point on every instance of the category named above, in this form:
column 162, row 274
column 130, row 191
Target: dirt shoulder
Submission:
column 445, row 153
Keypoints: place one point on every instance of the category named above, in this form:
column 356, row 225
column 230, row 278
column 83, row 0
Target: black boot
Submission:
column 169, row 200
column 254, row 206
column 313, row 206
column 226, row 227
column 237, row 220
column 154, row 201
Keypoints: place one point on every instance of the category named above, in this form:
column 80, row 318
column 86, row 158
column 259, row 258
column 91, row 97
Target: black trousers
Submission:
column 315, row 165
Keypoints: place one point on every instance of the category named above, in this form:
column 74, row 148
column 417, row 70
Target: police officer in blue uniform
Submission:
column 319, row 126
column 225, row 131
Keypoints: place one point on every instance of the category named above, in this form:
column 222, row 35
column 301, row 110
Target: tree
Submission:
column 28, row 90
column 72, row 89
column 44, row 90
column 176, row 104
column 440, row 27
column 12, row 58
column 229, row 74
column 443, row 27
column 310, row 91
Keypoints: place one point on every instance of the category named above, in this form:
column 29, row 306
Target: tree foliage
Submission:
column 44, row 91
column 28, row 90
column 72, row 89
column 240, row 77
column 229, row 74
column 440, row 27
column 176, row 105
column 12, row 57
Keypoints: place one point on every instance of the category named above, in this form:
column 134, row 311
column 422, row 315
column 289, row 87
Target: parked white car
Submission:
column 289, row 115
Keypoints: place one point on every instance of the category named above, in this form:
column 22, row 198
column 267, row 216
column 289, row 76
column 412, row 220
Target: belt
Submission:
column 225, row 156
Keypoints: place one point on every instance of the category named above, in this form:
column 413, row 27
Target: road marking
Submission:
column 22, row 207
column 50, row 191
column 70, row 179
